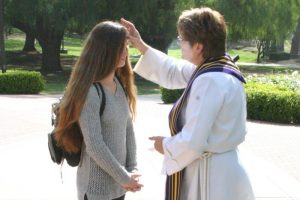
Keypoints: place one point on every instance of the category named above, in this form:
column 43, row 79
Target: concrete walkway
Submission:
column 271, row 153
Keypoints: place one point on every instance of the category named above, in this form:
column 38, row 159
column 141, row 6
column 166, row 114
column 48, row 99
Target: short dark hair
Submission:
column 205, row 26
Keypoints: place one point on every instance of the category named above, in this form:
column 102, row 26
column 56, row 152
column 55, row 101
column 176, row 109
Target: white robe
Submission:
column 213, row 120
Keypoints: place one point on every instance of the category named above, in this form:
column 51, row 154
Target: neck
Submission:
column 109, row 83
column 108, row 80
column 199, row 61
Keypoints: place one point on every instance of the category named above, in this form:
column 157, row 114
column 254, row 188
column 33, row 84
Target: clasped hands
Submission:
column 133, row 185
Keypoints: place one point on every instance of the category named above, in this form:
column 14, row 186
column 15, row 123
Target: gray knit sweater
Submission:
column 109, row 148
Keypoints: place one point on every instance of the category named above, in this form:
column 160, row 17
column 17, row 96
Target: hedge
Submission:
column 270, row 103
column 21, row 82
column 279, row 56
column 170, row 96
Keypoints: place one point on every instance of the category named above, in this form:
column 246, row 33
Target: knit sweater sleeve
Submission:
column 131, row 163
column 95, row 146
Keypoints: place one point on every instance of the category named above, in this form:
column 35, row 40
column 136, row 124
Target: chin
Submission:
column 121, row 65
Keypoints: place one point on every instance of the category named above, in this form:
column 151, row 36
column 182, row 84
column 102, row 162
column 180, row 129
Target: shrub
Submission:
column 272, row 103
column 21, row 82
column 279, row 56
column 291, row 81
column 170, row 96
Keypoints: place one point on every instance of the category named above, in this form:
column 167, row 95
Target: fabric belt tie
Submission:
column 204, row 180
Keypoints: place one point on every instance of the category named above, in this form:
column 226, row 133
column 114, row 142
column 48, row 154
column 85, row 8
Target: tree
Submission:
column 45, row 21
column 158, row 23
column 155, row 19
column 267, row 22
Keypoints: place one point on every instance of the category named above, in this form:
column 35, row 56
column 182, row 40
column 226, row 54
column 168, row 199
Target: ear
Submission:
column 198, row 47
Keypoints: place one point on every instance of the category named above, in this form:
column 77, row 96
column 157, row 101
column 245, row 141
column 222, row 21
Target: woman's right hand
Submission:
column 134, row 36
column 133, row 185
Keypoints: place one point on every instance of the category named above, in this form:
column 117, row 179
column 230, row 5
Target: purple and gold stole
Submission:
column 221, row 64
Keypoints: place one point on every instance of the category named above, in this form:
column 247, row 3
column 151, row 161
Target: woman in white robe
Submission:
column 213, row 118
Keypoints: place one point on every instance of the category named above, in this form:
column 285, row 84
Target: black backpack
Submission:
column 57, row 153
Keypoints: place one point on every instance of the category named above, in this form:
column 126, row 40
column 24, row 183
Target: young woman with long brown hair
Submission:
column 107, row 144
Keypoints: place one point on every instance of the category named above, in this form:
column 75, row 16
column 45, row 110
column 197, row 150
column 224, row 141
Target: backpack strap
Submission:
column 98, row 85
column 118, row 78
column 102, row 106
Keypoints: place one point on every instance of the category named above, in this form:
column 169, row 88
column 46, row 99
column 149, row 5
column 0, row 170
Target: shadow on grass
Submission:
column 20, row 59
column 33, row 60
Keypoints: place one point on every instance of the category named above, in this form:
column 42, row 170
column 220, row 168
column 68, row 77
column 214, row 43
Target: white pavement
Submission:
column 27, row 172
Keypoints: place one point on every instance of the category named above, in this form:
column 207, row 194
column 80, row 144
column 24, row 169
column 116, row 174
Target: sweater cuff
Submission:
column 124, row 177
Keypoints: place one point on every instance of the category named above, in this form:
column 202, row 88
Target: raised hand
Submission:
column 134, row 36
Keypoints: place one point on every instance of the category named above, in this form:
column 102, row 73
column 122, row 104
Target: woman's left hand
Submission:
column 158, row 143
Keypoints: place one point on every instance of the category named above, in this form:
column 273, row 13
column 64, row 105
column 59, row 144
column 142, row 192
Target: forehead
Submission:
column 127, row 33
column 126, row 42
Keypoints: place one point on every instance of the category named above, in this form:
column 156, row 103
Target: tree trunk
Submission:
column 265, row 45
column 260, row 47
column 2, row 49
column 50, row 44
column 280, row 46
column 295, row 50
column 49, row 36
column 276, row 46
column 29, row 43
column 273, row 47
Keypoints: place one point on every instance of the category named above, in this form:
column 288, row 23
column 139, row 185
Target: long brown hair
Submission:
column 99, row 58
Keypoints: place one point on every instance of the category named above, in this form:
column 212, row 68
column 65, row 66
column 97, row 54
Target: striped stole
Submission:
column 221, row 64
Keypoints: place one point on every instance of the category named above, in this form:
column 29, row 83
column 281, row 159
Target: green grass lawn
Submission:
column 57, row 82
column 245, row 56
column 176, row 53
column 17, row 43
column 14, row 44
column 73, row 45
